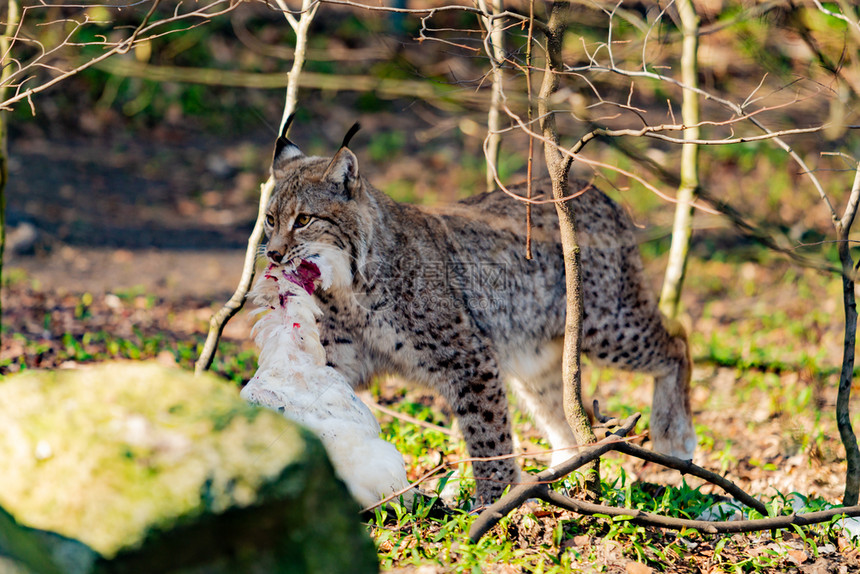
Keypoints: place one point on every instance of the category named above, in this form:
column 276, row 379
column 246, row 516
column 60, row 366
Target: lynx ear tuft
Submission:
column 352, row 131
column 343, row 167
column 285, row 150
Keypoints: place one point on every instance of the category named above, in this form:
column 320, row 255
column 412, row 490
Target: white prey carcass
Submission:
column 293, row 379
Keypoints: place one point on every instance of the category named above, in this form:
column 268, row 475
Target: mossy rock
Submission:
column 130, row 467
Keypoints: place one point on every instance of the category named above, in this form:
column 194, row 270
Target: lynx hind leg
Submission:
column 623, row 328
column 638, row 338
column 671, row 416
column 535, row 379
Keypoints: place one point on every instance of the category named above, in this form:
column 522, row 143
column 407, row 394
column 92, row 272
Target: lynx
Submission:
column 444, row 297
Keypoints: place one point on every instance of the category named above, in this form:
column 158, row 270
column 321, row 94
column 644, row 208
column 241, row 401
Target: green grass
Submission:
column 539, row 538
column 231, row 361
column 779, row 349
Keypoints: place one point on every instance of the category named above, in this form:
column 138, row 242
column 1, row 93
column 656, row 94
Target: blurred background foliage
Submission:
column 165, row 146
column 425, row 101
column 366, row 64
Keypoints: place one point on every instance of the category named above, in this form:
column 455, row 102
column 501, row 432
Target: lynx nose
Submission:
column 275, row 256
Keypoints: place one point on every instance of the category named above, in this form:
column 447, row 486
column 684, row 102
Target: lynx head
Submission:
column 320, row 208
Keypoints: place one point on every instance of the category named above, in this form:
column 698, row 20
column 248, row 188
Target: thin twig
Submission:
column 854, row 25
column 410, row 419
column 804, row 168
column 530, row 170
column 141, row 34
column 749, row 229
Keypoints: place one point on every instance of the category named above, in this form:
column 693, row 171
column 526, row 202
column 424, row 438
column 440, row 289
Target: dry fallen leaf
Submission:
column 637, row 568
column 797, row 556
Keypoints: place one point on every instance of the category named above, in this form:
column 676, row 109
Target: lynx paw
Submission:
column 678, row 440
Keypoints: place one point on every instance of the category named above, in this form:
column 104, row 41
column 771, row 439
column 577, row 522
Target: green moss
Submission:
column 131, row 460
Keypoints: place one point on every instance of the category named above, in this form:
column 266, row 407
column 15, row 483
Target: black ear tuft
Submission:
column 352, row 131
column 283, row 141
column 287, row 125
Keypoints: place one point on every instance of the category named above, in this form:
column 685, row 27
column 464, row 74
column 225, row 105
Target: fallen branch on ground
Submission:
column 385, row 87
column 441, row 469
column 540, row 488
column 723, row 527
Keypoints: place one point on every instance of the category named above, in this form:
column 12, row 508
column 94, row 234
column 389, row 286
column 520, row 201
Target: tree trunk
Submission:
column 557, row 165
column 496, row 39
column 682, row 228
column 843, row 413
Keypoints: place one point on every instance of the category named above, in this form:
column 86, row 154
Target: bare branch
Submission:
column 220, row 318
column 593, row 66
column 740, row 220
column 853, row 200
column 538, row 488
column 133, row 38
column 289, row 15
column 570, row 156
column 731, row 526
column 237, row 300
column 142, row 33
column 494, row 47
column 654, row 132
column 853, row 25
column 571, row 369
column 539, row 483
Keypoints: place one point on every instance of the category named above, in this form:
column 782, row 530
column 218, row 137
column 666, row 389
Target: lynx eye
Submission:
column 270, row 220
column 302, row 219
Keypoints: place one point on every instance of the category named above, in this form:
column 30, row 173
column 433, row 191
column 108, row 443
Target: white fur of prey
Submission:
column 293, row 379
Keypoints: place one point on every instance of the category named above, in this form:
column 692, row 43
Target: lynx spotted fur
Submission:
column 445, row 298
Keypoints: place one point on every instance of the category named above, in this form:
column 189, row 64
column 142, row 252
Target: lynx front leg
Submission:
column 482, row 412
